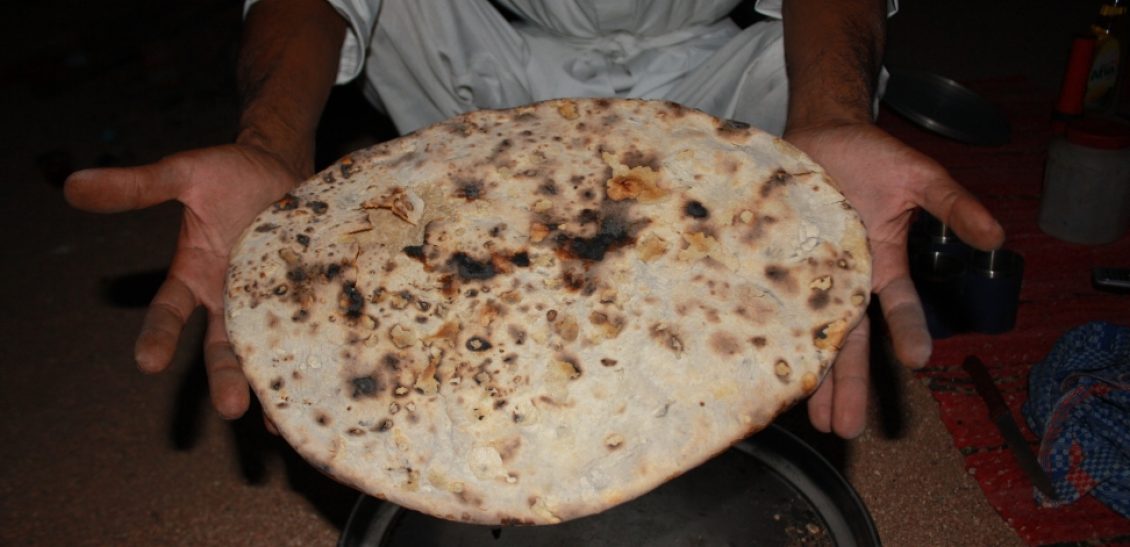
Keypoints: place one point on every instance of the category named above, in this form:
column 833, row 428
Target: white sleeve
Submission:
column 361, row 16
column 772, row 8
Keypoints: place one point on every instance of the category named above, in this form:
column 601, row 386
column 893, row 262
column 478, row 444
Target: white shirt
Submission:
column 426, row 60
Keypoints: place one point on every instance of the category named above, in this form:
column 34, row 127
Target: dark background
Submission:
column 94, row 452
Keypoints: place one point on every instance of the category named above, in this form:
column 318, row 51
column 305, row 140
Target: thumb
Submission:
column 117, row 189
column 944, row 198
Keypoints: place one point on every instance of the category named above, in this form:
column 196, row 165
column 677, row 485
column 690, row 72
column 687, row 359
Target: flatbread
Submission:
column 530, row 315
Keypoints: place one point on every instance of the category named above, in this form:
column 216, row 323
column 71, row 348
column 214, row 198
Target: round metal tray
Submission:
column 944, row 106
column 771, row 489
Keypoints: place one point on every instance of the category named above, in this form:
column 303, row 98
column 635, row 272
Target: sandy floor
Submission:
column 915, row 483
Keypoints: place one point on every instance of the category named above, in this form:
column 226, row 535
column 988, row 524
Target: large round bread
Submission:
column 531, row 315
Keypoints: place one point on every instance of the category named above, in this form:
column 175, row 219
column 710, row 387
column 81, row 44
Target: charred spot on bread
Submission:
column 287, row 203
column 636, row 158
column 347, row 168
column 695, row 209
column 353, row 302
column 588, row 216
column 614, row 232
column 570, row 367
column 777, row 273
column 415, row 251
column 732, row 126
column 548, row 188
column 782, row 369
column 470, row 269
column 517, row 334
column 818, row 300
column 318, row 207
column 574, row 280
column 724, row 344
column 469, row 190
column 297, row 274
column 593, row 248
column 779, row 178
column 364, row 386
column 478, row 344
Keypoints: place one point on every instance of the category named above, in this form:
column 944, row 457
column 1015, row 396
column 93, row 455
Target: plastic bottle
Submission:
column 1107, row 63
column 1069, row 106
column 1086, row 197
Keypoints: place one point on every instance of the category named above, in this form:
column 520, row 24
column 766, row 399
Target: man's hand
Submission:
column 222, row 190
column 885, row 181
column 833, row 52
column 287, row 65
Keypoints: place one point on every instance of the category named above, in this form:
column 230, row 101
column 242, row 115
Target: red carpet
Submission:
column 1056, row 296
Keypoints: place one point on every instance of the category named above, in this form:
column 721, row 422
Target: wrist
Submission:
column 287, row 66
column 823, row 123
column 833, row 54
column 830, row 112
column 293, row 151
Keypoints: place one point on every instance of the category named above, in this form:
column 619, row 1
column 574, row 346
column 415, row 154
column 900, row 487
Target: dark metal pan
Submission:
column 771, row 489
column 944, row 106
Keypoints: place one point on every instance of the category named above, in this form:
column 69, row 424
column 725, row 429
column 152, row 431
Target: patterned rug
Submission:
column 1056, row 296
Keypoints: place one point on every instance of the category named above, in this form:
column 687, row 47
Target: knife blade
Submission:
column 1002, row 417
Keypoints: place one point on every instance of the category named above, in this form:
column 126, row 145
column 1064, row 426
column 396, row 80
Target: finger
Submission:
column 226, row 383
column 820, row 405
column 906, row 322
column 163, row 323
column 116, row 189
column 851, row 374
column 271, row 427
column 957, row 208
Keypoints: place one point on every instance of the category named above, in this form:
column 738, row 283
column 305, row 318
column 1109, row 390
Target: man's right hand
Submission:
column 287, row 64
column 222, row 189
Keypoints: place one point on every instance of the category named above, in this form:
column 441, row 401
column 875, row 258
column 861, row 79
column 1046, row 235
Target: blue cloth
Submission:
column 1079, row 404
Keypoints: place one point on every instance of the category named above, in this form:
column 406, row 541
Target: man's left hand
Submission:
column 885, row 181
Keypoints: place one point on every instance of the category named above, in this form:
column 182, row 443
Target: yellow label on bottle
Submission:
column 1104, row 72
column 1111, row 11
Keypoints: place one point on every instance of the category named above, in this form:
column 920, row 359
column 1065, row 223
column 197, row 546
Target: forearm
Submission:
column 287, row 65
column 833, row 53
